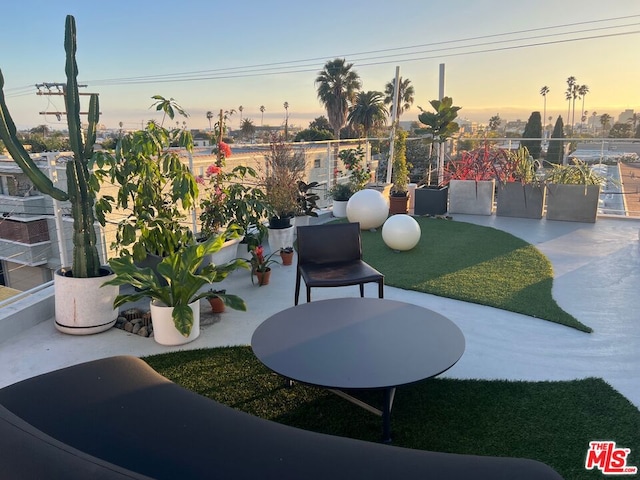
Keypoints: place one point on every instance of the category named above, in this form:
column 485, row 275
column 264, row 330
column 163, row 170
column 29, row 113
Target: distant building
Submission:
column 626, row 116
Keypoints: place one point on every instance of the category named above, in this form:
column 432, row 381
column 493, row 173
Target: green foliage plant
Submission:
column 359, row 173
column 400, row 185
column 155, row 189
column 441, row 125
column 231, row 198
column 184, row 278
column 341, row 192
column 575, row 173
column 307, row 198
column 521, row 167
column 81, row 185
column 533, row 130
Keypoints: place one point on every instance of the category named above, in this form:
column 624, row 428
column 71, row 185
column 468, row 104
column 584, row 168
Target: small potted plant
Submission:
column 175, row 306
column 286, row 254
column 216, row 300
column 260, row 265
column 341, row 193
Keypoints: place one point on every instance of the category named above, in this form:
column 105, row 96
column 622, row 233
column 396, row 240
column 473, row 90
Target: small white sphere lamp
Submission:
column 369, row 207
column 401, row 232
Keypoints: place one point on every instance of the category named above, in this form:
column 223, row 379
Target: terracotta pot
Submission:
column 398, row 204
column 217, row 305
column 263, row 277
column 287, row 258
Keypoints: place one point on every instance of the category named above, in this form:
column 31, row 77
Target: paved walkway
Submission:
column 597, row 274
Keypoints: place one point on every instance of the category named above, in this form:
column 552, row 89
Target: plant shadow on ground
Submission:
column 552, row 422
column 472, row 263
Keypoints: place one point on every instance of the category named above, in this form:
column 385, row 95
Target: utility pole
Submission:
column 59, row 91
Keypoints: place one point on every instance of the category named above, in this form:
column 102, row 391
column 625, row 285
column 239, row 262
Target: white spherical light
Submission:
column 401, row 232
column 368, row 207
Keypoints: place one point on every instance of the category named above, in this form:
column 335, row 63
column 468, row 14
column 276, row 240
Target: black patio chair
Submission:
column 330, row 255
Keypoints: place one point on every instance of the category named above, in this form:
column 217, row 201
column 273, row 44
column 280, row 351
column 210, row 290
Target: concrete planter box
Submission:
column 518, row 200
column 471, row 197
column 572, row 203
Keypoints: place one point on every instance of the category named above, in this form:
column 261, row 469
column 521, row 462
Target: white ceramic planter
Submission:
column 226, row 254
column 164, row 329
column 340, row 208
column 471, row 197
column 83, row 305
column 280, row 238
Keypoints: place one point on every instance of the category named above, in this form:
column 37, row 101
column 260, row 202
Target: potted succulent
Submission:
column 573, row 192
column 399, row 194
column 260, row 265
column 472, row 180
column 81, row 306
column 521, row 192
column 175, row 307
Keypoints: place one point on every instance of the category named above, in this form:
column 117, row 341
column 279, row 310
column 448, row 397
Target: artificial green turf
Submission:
column 472, row 263
column 552, row 422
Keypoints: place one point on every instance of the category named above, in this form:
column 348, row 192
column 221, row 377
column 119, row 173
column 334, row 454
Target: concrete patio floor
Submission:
column 597, row 279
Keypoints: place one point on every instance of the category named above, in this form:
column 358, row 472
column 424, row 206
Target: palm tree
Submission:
column 368, row 111
column 543, row 91
column 337, row 86
column 571, row 95
column 209, row 117
column 582, row 92
column 240, row 109
column 593, row 121
column 247, row 128
column 262, row 109
column 405, row 95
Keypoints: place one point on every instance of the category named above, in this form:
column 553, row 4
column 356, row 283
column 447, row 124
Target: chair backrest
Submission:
column 329, row 243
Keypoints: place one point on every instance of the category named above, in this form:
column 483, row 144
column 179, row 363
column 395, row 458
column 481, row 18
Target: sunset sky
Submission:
column 209, row 55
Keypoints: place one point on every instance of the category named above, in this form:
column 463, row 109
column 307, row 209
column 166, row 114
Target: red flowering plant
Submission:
column 259, row 262
column 480, row 164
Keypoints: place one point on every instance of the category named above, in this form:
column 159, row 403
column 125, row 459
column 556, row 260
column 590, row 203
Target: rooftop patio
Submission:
column 597, row 273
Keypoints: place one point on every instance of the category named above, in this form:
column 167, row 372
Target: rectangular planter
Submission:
column 518, row 200
column 573, row 203
column 431, row 200
column 471, row 197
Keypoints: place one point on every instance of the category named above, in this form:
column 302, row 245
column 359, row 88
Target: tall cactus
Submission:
column 86, row 262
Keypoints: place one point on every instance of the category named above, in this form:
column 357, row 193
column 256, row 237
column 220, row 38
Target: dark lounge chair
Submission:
column 117, row 418
column 330, row 255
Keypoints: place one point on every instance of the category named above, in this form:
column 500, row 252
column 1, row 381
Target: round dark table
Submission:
column 359, row 343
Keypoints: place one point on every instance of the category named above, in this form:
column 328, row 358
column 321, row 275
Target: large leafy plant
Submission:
column 185, row 277
column 155, row 189
column 81, row 186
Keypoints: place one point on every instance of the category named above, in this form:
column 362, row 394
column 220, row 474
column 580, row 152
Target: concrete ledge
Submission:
column 21, row 315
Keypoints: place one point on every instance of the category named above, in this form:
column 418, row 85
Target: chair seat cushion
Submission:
column 336, row 274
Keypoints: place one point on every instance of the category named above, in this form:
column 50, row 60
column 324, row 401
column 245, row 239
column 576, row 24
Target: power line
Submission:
column 308, row 65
